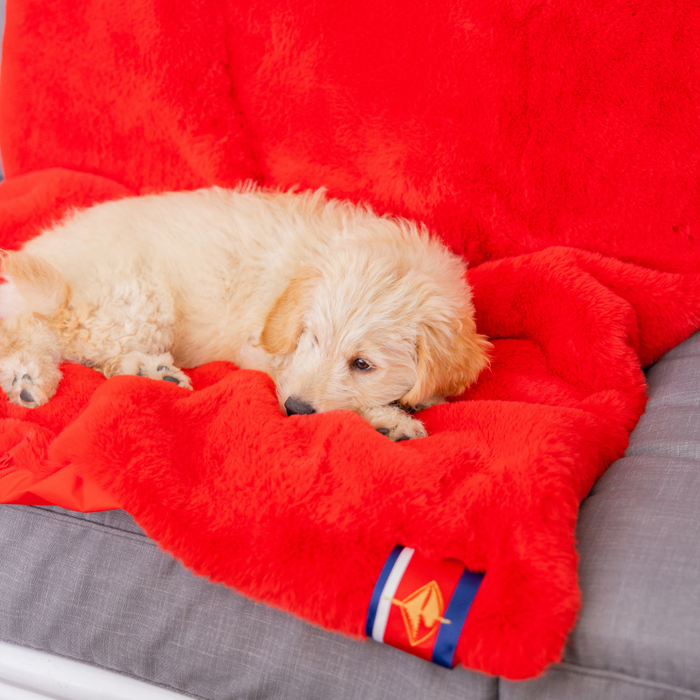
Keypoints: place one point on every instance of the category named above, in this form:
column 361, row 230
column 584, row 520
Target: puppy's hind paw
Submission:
column 393, row 422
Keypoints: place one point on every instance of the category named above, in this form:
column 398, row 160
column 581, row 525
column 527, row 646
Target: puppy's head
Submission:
column 375, row 323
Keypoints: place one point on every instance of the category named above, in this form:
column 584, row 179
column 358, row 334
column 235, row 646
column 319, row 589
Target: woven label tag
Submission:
column 420, row 606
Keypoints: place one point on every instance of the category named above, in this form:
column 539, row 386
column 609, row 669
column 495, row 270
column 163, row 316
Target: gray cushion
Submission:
column 93, row 588
column 638, row 635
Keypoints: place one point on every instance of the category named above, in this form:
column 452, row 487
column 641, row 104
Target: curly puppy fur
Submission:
column 344, row 309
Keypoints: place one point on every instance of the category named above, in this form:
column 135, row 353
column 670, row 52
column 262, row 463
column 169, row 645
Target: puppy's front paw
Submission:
column 167, row 373
column 28, row 384
column 396, row 424
column 159, row 367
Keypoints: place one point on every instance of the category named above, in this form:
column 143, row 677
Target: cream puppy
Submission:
column 344, row 309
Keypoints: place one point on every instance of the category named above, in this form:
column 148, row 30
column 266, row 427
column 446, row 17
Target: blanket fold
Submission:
column 555, row 145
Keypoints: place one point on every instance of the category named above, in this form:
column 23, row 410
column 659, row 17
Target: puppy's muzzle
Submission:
column 297, row 407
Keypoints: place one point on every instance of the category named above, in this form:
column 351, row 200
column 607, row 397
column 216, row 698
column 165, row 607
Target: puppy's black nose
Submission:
column 297, row 407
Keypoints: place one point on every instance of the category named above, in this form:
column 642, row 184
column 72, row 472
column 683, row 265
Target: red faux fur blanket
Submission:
column 555, row 144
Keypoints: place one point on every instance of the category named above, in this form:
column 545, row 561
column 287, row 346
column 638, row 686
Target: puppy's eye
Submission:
column 361, row 364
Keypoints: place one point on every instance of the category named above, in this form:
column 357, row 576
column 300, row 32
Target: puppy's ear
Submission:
column 284, row 321
column 449, row 360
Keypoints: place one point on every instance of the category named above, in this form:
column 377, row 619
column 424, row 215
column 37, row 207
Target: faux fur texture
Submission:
column 555, row 144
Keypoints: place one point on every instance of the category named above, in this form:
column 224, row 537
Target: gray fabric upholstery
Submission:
column 638, row 635
column 569, row 682
column 93, row 588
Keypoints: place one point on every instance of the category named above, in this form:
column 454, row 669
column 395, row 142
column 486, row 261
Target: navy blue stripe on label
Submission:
column 456, row 613
column 379, row 587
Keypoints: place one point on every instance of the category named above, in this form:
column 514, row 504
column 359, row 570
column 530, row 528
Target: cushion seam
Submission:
column 625, row 678
column 89, row 524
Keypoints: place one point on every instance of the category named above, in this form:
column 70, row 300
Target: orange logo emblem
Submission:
column 422, row 612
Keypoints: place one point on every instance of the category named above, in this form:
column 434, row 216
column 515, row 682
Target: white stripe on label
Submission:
column 389, row 591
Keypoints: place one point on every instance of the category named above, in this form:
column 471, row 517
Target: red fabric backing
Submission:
column 555, row 144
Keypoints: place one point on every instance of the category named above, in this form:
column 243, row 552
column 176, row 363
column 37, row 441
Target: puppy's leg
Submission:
column 130, row 330
column 29, row 359
column 151, row 365
column 393, row 422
